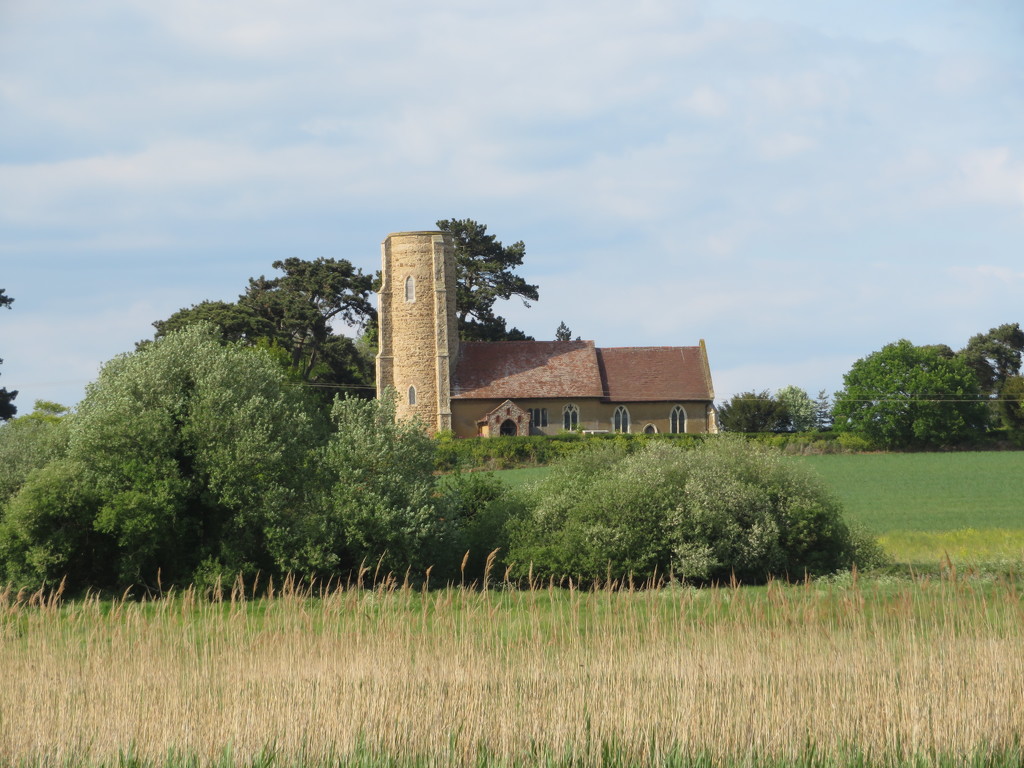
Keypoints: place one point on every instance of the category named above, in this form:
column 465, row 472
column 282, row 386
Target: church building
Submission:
column 519, row 387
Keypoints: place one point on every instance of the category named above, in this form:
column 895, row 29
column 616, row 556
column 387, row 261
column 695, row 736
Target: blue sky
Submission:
column 798, row 183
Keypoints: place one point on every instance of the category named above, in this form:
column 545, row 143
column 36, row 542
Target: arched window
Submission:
column 412, row 395
column 620, row 421
column 410, row 289
column 677, row 420
column 570, row 417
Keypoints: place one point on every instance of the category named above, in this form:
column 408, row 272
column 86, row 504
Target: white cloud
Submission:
column 784, row 145
column 707, row 102
column 993, row 176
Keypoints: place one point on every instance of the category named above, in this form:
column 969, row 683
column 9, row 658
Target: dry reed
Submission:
column 888, row 673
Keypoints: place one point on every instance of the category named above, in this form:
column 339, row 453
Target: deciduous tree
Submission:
column 994, row 356
column 181, row 460
column 1011, row 403
column 905, row 396
column 752, row 412
column 800, row 411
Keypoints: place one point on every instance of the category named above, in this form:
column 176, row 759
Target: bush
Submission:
column 28, row 443
column 725, row 508
column 507, row 452
column 376, row 503
column 186, row 451
column 477, row 505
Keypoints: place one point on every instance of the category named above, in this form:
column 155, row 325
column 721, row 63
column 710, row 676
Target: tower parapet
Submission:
column 418, row 330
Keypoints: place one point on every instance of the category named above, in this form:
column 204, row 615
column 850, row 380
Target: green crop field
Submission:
column 922, row 506
column 927, row 491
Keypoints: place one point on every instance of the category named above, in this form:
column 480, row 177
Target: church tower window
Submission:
column 410, row 289
column 412, row 395
column 620, row 421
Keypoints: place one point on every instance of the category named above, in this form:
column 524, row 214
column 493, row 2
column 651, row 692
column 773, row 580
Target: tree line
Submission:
column 299, row 317
column 195, row 460
column 905, row 396
column 241, row 442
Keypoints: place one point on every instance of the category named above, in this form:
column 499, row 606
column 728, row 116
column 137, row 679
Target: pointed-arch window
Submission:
column 570, row 417
column 412, row 395
column 620, row 421
column 677, row 420
column 410, row 289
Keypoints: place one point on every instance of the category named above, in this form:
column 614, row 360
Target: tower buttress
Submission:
column 418, row 330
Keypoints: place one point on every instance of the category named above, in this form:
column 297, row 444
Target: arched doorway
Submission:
column 508, row 427
column 650, row 429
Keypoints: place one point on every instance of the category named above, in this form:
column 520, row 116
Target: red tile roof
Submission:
column 568, row 369
column 644, row 374
column 522, row 369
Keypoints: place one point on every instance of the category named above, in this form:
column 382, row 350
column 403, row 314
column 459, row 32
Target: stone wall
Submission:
column 593, row 415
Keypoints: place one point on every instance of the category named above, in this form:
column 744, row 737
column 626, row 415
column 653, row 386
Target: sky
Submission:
column 798, row 183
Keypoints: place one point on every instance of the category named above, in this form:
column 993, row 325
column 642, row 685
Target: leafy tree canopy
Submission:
column 725, row 508
column 178, row 461
column 485, row 272
column 800, row 413
column 7, row 407
column 905, row 396
column 1011, row 403
column 995, row 356
column 193, row 460
column 293, row 317
column 28, row 443
column 753, row 412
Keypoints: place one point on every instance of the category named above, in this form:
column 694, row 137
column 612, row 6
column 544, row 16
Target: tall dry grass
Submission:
column 627, row 677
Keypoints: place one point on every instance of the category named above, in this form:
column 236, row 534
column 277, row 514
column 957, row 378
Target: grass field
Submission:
column 825, row 674
column 923, row 506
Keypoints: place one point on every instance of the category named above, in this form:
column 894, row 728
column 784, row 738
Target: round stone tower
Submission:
column 418, row 336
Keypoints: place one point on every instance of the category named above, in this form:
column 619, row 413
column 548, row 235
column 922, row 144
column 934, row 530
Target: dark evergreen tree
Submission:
column 823, row 410
column 292, row 316
column 753, row 412
column 7, row 407
column 485, row 272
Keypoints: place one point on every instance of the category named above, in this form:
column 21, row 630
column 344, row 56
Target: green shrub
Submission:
column 477, row 505
column 507, row 452
column 377, row 502
column 854, row 443
column 185, row 451
column 28, row 443
column 726, row 508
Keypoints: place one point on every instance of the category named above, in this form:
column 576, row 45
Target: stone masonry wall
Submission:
column 416, row 344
